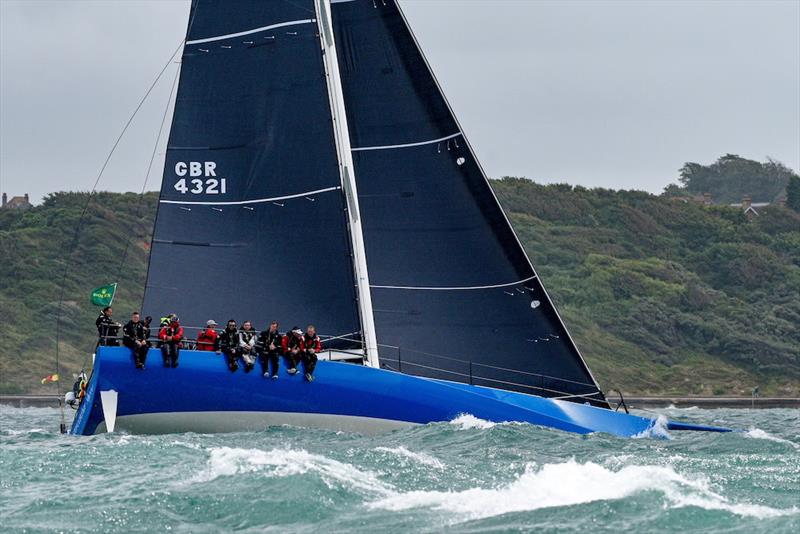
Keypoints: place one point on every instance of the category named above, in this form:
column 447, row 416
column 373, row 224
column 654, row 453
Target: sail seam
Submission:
column 248, row 32
column 456, row 288
column 254, row 201
column 406, row 145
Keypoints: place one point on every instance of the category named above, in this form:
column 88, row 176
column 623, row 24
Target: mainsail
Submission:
column 454, row 294
column 251, row 223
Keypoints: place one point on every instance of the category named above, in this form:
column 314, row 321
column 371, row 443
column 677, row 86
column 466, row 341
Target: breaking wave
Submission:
column 573, row 483
column 228, row 461
column 468, row 421
column 757, row 433
column 657, row 430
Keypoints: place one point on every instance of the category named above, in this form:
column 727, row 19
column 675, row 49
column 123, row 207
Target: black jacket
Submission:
column 265, row 338
column 133, row 332
column 228, row 339
column 107, row 327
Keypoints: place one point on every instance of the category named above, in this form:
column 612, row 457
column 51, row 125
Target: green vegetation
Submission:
column 662, row 296
column 732, row 177
column 793, row 193
column 37, row 250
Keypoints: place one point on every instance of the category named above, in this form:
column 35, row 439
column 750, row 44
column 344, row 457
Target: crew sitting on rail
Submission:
column 134, row 336
column 228, row 344
column 247, row 345
column 208, row 338
column 171, row 337
column 292, row 346
column 107, row 328
column 269, row 349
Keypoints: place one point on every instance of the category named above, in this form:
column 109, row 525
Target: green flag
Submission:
column 104, row 295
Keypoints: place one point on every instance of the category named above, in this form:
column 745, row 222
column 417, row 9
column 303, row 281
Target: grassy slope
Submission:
column 662, row 297
column 667, row 297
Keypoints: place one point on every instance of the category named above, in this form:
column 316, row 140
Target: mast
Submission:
column 347, row 175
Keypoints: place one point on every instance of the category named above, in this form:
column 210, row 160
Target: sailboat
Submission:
column 315, row 172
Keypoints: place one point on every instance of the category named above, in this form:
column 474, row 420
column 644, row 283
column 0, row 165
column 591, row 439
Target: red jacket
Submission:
column 175, row 331
column 207, row 339
column 311, row 343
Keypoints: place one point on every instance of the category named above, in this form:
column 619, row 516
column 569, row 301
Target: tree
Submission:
column 793, row 193
column 731, row 177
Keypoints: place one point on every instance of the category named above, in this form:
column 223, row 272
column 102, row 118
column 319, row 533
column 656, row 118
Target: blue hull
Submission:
column 201, row 395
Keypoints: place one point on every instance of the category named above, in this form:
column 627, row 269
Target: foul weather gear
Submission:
column 269, row 349
column 134, row 336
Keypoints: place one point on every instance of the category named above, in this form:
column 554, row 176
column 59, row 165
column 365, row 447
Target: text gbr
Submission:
column 206, row 185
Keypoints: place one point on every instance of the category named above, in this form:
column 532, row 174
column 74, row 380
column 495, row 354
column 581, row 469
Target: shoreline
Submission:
column 54, row 401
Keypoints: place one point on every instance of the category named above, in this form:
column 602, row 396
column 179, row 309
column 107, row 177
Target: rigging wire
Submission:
column 78, row 226
column 149, row 169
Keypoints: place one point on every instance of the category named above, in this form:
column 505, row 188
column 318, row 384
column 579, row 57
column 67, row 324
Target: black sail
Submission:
column 250, row 222
column 454, row 294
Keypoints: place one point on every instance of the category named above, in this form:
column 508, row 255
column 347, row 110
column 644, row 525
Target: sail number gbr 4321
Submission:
column 199, row 177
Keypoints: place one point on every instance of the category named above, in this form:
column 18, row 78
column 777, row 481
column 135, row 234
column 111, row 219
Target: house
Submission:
column 749, row 207
column 16, row 203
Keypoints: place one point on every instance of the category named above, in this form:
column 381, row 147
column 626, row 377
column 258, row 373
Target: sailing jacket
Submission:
column 208, row 340
column 247, row 337
column 290, row 341
column 175, row 331
column 107, row 327
column 265, row 338
column 228, row 339
column 133, row 332
column 312, row 342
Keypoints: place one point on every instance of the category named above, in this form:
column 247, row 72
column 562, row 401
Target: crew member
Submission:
column 228, row 344
column 292, row 345
column 134, row 336
column 171, row 337
column 107, row 328
column 208, row 339
column 247, row 345
column 269, row 348
column 311, row 347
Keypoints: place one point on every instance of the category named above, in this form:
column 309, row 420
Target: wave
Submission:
column 572, row 483
column 757, row 433
column 657, row 430
column 468, row 421
column 419, row 457
column 228, row 461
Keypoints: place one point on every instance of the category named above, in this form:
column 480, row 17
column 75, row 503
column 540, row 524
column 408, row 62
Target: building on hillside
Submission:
column 16, row 203
column 749, row 207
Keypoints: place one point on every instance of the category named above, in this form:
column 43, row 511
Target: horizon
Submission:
column 597, row 94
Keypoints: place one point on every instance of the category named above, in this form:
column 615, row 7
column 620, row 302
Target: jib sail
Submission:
column 454, row 294
column 251, row 222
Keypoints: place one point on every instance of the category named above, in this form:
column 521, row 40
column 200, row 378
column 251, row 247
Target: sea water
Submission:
column 466, row 475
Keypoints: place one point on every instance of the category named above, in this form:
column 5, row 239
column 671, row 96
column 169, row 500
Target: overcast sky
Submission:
column 611, row 94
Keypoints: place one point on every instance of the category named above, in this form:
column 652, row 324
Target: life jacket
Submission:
column 312, row 342
column 175, row 331
column 135, row 331
column 290, row 341
column 265, row 338
column 247, row 337
column 228, row 339
column 207, row 339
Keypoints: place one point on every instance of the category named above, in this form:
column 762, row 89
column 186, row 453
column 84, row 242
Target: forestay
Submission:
column 251, row 220
column 454, row 294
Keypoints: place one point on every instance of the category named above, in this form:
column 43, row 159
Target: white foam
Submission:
column 419, row 457
column 757, row 433
column 569, row 484
column 468, row 421
column 228, row 461
column 657, row 430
